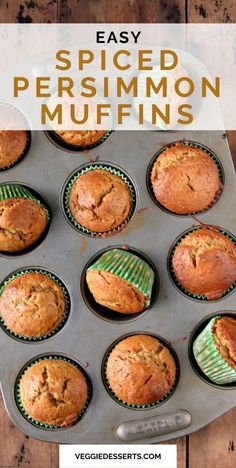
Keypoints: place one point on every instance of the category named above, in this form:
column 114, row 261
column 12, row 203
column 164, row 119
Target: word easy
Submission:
column 117, row 38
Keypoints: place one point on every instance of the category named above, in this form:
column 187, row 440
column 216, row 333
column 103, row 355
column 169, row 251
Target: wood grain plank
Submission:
column 18, row 450
column 181, row 450
column 119, row 11
column 28, row 11
column 214, row 446
column 211, row 11
column 231, row 135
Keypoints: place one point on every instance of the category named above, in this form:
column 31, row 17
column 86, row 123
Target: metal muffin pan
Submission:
column 85, row 336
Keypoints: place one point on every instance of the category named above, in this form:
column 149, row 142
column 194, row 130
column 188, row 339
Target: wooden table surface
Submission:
column 213, row 446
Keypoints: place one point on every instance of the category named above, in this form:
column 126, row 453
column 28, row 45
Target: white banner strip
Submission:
column 116, row 76
column 120, row 456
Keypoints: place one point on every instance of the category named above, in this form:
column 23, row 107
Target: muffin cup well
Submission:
column 104, row 312
column 55, row 356
column 57, row 141
column 24, row 153
column 59, row 282
column 112, row 169
column 151, row 405
column 193, row 144
column 174, row 280
column 21, row 190
column 204, row 370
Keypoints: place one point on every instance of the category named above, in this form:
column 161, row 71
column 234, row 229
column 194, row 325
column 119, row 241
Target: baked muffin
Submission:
column 32, row 305
column 215, row 350
column 12, row 146
column 185, row 179
column 140, row 370
column 224, row 333
column 81, row 138
column 22, row 222
column 204, row 263
column 100, row 201
column 53, row 392
column 121, row 281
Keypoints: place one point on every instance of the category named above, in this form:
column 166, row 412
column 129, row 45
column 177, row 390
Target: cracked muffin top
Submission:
column 185, row 179
column 53, row 392
column 22, row 222
column 32, row 305
column 81, row 138
column 12, row 145
column 100, row 201
column 140, row 370
column 204, row 262
column 224, row 333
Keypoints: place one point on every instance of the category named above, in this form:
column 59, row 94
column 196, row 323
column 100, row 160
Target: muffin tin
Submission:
column 86, row 337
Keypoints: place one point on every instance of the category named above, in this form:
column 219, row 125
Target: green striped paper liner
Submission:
column 19, row 191
column 135, row 406
column 192, row 144
column 19, row 159
column 77, row 149
column 84, row 170
column 20, row 406
column 128, row 267
column 209, row 359
column 25, row 271
column 198, row 297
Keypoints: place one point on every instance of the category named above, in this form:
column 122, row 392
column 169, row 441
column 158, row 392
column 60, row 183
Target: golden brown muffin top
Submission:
column 185, row 179
column 81, row 138
column 22, row 222
column 100, row 201
column 140, row 370
column 32, row 305
column 53, row 392
column 204, row 262
column 115, row 293
column 224, row 333
column 12, row 145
